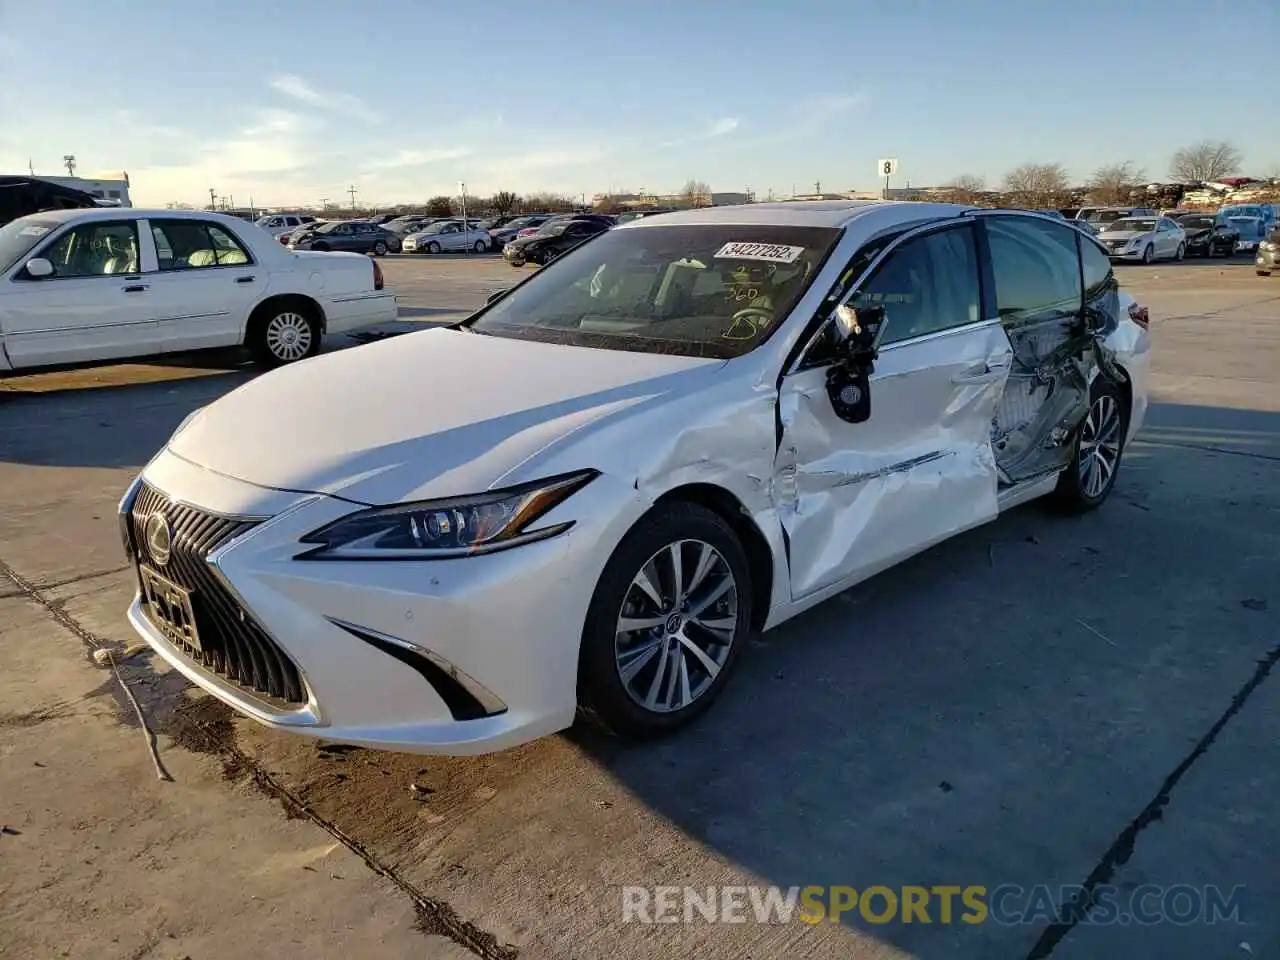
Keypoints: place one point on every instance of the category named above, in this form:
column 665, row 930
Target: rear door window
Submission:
column 1036, row 267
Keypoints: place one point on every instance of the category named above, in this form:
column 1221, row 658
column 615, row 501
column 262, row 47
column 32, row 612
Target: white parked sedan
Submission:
column 1144, row 238
column 445, row 236
column 589, row 494
column 86, row 285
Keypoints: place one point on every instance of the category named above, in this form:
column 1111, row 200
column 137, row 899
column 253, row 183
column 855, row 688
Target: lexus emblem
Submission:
column 159, row 538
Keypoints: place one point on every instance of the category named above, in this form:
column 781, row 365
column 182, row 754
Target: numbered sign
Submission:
column 888, row 167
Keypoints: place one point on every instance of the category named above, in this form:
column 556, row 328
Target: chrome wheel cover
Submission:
column 1099, row 446
column 677, row 626
column 289, row 336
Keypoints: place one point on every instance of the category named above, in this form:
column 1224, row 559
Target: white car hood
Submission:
column 435, row 413
column 1122, row 235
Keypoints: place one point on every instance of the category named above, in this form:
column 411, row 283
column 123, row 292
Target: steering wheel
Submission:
column 747, row 322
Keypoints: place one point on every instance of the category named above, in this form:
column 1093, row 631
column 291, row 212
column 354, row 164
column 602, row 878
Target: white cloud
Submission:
column 297, row 88
column 723, row 126
column 417, row 158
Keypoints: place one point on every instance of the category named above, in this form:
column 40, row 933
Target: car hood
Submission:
column 435, row 413
column 1123, row 234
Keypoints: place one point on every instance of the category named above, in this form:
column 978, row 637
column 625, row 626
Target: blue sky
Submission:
column 291, row 102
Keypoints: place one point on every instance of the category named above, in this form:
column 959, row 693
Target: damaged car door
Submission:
column 856, row 497
column 1040, row 300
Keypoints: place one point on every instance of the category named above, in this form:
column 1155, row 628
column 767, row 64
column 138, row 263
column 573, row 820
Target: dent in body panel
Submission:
column 857, row 498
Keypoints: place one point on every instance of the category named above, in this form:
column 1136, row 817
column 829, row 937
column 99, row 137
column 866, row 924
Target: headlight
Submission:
column 440, row 529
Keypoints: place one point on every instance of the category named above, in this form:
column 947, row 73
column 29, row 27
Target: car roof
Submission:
column 803, row 213
column 134, row 213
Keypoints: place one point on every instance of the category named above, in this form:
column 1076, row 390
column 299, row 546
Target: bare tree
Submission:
column 1037, row 185
column 1205, row 161
column 550, row 202
column 1115, row 183
column 696, row 194
column 608, row 204
column 965, row 188
column 504, row 203
column 440, row 207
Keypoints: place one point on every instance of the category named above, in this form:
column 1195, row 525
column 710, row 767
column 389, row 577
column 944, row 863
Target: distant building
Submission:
column 636, row 201
column 111, row 188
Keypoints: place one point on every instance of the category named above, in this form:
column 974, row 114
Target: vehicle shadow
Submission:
column 997, row 710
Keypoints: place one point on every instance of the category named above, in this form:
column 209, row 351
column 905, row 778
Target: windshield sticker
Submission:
column 769, row 252
column 34, row 231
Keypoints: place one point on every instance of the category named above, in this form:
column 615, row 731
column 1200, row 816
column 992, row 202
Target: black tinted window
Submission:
column 1098, row 278
column 1036, row 266
column 926, row 285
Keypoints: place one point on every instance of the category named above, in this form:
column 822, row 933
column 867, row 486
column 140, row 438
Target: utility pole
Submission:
column 31, row 167
column 352, row 190
column 70, row 162
column 324, row 204
column 462, row 194
column 213, row 198
column 817, row 187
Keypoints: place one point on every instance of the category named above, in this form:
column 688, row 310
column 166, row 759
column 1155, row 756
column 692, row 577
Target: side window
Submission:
column 195, row 245
column 1036, row 266
column 1098, row 276
column 95, row 250
column 927, row 285
column 227, row 249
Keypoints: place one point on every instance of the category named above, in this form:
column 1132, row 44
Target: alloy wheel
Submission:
column 1099, row 446
column 677, row 626
column 289, row 336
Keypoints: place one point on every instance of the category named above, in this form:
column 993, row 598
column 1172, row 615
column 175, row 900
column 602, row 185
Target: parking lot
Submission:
column 1043, row 701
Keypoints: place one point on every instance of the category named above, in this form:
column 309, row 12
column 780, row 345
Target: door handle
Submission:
column 135, row 288
column 245, row 279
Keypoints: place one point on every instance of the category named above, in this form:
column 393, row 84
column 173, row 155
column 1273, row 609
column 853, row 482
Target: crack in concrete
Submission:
column 435, row 916
column 1073, row 911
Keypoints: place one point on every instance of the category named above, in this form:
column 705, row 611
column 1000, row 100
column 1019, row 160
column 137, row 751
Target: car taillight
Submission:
column 378, row 281
column 1139, row 315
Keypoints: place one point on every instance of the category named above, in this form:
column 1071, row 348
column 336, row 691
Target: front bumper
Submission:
column 1125, row 254
column 1268, row 259
column 372, row 640
column 514, row 256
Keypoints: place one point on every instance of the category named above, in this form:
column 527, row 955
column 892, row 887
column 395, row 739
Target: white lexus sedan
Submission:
column 78, row 286
column 587, row 495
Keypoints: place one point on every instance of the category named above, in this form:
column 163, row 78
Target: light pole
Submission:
column 462, row 194
column 70, row 161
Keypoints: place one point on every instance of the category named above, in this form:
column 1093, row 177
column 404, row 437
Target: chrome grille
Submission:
column 234, row 645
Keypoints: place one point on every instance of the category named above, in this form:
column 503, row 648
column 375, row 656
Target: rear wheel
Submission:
column 1182, row 252
column 1263, row 273
column 669, row 617
column 283, row 334
column 1099, row 445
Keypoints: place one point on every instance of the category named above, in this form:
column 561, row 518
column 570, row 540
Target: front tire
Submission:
column 379, row 249
column 1148, row 254
column 283, row 334
column 1263, row 273
column 1181, row 254
column 1099, row 447
column 433, row 247
column 481, row 246
column 667, row 622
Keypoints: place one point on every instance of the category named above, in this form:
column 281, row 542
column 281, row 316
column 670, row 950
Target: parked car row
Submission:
column 1145, row 234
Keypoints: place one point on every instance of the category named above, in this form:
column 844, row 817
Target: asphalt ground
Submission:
column 1038, row 705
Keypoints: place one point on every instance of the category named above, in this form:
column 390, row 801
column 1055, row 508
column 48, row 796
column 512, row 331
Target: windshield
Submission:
column 18, row 237
column 553, row 228
column 1106, row 216
column 434, row 227
column 699, row 291
column 1196, row 223
column 1137, row 226
column 326, row 227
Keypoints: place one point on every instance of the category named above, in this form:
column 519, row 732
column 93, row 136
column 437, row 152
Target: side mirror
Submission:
column 39, row 268
column 849, row 379
column 494, row 296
